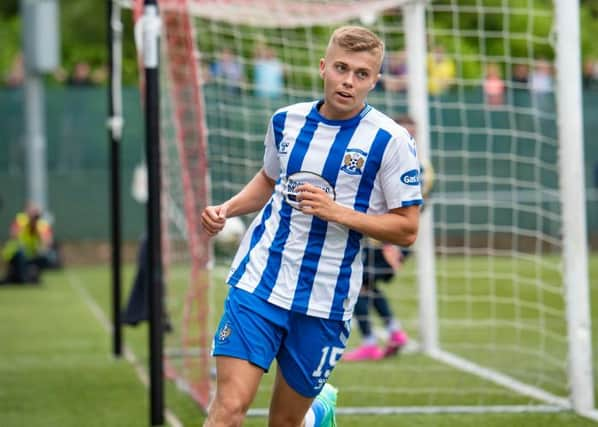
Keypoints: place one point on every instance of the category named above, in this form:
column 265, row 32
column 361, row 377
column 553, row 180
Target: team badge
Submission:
column 224, row 333
column 353, row 161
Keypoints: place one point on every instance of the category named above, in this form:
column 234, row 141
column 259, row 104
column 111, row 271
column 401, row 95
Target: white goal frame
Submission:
column 575, row 247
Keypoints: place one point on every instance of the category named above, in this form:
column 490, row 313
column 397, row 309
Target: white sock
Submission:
column 370, row 340
column 393, row 326
column 310, row 419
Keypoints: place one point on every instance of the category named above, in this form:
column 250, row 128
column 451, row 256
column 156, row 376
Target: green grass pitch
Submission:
column 56, row 367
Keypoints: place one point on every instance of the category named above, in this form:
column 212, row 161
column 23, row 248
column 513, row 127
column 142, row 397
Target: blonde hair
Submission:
column 357, row 39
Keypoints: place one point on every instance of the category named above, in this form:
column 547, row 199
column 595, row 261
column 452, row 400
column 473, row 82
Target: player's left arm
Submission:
column 398, row 226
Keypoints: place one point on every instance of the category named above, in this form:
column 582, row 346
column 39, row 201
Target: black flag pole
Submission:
column 115, row 125
column 151, row 56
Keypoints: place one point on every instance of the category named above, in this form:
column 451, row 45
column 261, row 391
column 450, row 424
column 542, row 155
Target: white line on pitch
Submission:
column 75, row 283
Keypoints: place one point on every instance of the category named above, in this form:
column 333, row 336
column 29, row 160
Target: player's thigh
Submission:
column 287, row 407
column 310, row 352
column 237, row 381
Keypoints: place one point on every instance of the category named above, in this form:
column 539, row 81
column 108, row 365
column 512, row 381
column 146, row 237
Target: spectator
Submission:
column 60, row 75
column 81, row 75
column 494, row 86
column 27, row 251
column 540, row 85
column 99, row 75
column 394, row 72
column 137, row 308
column 16, row 74
column 229, row 70
column 520, row 76
column 540, row 80
column 268, row 73
column 441, row 71
column 590, row 74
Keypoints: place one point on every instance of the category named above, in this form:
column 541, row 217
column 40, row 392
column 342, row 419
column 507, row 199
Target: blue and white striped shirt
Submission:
column 301, row 262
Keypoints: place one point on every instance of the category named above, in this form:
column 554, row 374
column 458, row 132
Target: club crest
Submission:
column 224, row 333
column 353, row 161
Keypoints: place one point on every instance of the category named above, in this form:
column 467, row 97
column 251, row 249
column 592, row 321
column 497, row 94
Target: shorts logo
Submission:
column 353, row 161
column 410, row 177
column 224, row 333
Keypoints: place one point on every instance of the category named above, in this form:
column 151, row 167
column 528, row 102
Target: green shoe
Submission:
column 327, row 398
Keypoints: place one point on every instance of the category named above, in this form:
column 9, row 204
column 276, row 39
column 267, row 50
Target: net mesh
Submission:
column 228, row 64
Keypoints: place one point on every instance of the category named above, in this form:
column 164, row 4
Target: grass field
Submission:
column 56, row 367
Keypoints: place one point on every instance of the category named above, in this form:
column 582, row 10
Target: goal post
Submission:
column 496, row 301
column 575, row 236
column 418, row 107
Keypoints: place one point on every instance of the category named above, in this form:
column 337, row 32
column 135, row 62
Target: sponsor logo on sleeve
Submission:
column 411, row 177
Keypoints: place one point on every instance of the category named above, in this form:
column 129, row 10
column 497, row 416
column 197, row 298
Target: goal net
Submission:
column 484, row 299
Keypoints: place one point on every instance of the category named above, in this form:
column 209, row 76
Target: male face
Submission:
column 348, row 77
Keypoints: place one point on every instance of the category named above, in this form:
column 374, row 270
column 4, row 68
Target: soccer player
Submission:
column 335, row 170
column 381, row 262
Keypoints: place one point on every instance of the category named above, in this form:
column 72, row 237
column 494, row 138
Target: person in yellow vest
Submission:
column 441, row 71
column 25, row 253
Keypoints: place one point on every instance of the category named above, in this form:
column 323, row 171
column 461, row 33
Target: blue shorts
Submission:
column 307, row 348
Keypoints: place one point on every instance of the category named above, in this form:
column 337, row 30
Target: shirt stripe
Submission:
column 317, row 234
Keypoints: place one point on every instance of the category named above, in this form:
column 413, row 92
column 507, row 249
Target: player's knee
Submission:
column 227, row 411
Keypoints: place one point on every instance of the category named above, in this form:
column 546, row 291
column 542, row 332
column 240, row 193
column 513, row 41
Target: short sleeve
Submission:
column 271, row 160
column 400, row 173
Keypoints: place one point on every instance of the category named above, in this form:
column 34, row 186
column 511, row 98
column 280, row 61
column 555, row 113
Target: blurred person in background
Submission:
column 381, row 262
column 229, row 70
column 541, row 84
column 29, row 248
column 137, row 308
column 81, row 75
column 394, row 72
column 268, row 73
column 520, row 75
column 540, row 80
column 441, row 71
column 590, row 74
column 494, row 86
column 16, row 75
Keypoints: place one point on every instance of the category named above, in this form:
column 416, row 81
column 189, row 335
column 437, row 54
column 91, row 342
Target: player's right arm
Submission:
column 250, row 199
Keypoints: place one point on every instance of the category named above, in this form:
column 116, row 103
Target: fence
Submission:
column 78, row 156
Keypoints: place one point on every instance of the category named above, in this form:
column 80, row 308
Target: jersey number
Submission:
column 333, row 354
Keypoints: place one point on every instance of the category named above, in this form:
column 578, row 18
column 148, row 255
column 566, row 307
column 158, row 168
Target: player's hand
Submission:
column 213, row 219
column 392, row 255
column 315, row 201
